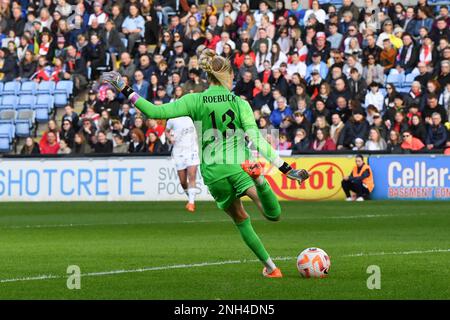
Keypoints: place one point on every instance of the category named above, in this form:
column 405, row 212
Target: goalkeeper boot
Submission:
column 253, row 169
column 274, row 274
column 190, row 207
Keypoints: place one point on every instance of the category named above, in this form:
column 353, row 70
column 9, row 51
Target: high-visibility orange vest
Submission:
column 368, row 182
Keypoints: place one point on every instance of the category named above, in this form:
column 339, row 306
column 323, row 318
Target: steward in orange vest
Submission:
column 360, row 181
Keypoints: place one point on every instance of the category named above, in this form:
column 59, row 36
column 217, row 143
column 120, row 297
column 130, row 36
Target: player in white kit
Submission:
column 185, row 155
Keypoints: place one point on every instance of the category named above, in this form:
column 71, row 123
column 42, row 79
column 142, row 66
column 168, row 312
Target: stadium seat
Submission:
column 23, row 128
column 64, row 86
column 61, row 100
column 5, row 144
column 45, row 100
column 46, row 87
column 396, row 79
column 7, row 128
column 26, row 102
column 11, row 87
column 336, row 3
column 28, row 87
column 44, row 107
column 8, row 102
column 383, row 91
column 1, row 88
column 7, row 115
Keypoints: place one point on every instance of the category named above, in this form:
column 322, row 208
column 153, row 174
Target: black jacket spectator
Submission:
column 428, row 111
column 437, row 136
column 106, row 147
column 9, row 67
column 136, row 148
column 353, row 130
column 27, row 69
column 419, row 131
column 260, row 99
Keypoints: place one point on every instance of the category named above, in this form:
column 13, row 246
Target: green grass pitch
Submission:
column 156, row 250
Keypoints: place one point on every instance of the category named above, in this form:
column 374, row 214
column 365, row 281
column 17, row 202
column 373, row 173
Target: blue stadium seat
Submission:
column 336, row 3
column 44, row 107
column 23, row 128
column 11, row 87
column 64, row 86
column 396, row 79
column 28, row 87
column 5, row 144
column 45, row 100
column 8, row 102
column 47, row 87
column 410, row 78
column 383, row 91
column 61, row 100
column 1, row 88
column 7, row 115
column 7, row 128
column 26, row 102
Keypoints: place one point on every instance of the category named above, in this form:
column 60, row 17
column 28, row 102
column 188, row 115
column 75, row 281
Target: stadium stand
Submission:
column 50, row 66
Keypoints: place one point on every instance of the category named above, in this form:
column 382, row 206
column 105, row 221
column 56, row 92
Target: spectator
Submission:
column 80, row 146
column 387, row 56
column 394, row 143
column 300, row 142
column 127, row 67
column 67, row 132
column 411, row 143
column 337, row 125
column 358, row 86
column 280, row 113
column 323, row 141
column 75, row 68
column 120, row 146
column 373, row 72
column 141, row 86
column 375, row 141
column 432, row 106
column 374, row 97
column 103, row 144
column 437, row 133
column 137, row 143
column 30, row 147
column 133, row 26
column 356, row 127
column 360, row 181
column 155, row 146
column 244, row 88
column 63, row 147
column 49, row 145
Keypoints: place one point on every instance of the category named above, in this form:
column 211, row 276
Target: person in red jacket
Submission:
column 323, row 141
column 410, row 142
column 51, row 146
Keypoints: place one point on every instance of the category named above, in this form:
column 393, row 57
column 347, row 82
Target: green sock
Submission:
column 269, row 201
column 252, row 240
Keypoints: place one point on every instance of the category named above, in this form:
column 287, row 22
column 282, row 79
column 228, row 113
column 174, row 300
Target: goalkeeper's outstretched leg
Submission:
column 242, row 220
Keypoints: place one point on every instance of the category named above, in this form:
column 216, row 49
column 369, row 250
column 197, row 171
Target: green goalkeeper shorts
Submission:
column 228, row 189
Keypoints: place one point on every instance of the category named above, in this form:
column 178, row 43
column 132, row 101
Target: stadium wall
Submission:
column 424, row 177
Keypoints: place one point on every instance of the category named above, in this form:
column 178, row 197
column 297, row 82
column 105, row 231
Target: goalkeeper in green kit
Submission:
column 226, row 122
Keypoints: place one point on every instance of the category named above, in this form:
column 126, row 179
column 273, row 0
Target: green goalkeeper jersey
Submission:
column 222, row 120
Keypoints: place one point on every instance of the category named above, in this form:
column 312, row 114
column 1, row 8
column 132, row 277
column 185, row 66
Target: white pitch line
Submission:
column 206, row 264
column 72, row 225
column 396, row 253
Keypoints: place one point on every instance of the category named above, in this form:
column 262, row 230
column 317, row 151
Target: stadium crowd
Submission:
column 374, row 78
